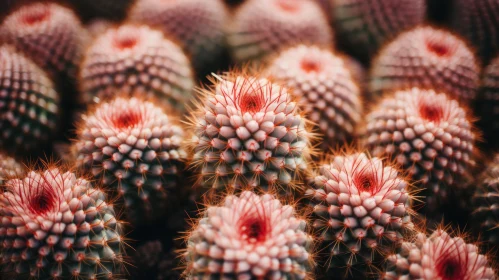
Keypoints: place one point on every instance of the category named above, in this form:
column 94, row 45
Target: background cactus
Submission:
column 361, row 209
column 426, row 57
column 263, row 27
column 249, row 236
column 9, row 168
column 136, row 60
column 57, row 226
column 439, row 257
column 428, row 134
column 365, row 25
column 325, row 88
column 30, row 105
column 488, row 103
column 249, row 132
column 135, row 148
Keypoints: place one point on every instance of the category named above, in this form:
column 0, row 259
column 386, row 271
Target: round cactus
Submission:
column 57, row 226
column 429, row 58
column 427, row 133
column 249, row 237
column 485, row 203
column 322, row 83
column 249, row 133
column 488, row 102
column 50, row 34
column 29, row 104
column 365, row 25
column 9, row 168
column 263, row 27
column 361, row 207
column 198, row 25
column 136, row 59
column 477, row 21
column 438, row 257
column 134, row 147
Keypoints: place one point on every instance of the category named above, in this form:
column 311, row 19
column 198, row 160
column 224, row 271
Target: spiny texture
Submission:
column 477, row 20
column 360, row 207
column 198, row 25
column 488, row 101
column 50, row 34
column 136, row 60
column 438, row 257
column 365, row 25
column 135, row 148
column 249, row 237
column 57, row 226
column 429, row 58
column 322, row 83
column 29, row 105
column 485, row 203
column 249, row 133
column 427, row 133
column 9, row 168
column 263, row 27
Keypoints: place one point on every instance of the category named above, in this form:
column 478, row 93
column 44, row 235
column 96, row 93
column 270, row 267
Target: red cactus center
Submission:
column 288, row 5
column 310, row 66
column 431, row 111
column 42, row 202
column 127, row 119
column 438, row 48
column 449, row 269
column 125, row 41
column 366, row 181
column 254, row 229
column 35, row 16
column 251, row 102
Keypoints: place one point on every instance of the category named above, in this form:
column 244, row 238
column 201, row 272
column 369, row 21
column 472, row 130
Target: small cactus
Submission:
column 249, row 237
column 264, row 27
column 249, row 132
column 49, row 34
column 427, row 133
column 426, row 57
column 9, row 168
column 198, row 26
column 137, row 60
column 361, row 208
column 324, row 86
column 135, row 148
column 365, row 25
column 438, row 257
column 30, row 105
column 55, row 225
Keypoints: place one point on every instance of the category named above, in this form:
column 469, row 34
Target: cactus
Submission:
column 249, row 132
column 30, row 105
column 198, row 25
column 361, row 208
column 136, row 59
column 363, row 26
column 485, row 203
column 426, row 57
column 428, row 134
column 488, row 102
column 264, row 27
column 325, row 88
column 9, row 168
column 135, row 148
column 438, row 257
column 49, row 34
column 249, row 237
column 57, row 226
column 476, row 21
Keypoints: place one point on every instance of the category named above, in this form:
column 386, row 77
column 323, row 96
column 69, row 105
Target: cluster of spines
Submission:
column 136, row 149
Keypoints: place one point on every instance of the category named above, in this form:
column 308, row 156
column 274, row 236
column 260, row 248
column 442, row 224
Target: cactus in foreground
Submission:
column 365, row 25
column 428, row 134
column 249, row 132
column 361, row 208
column 49, row 34
column 30, row 105
column 426, row 57
column 135, row 148
column 438, row 257
column 198, row 26
column 264, row 27
column 55, row 225
column 249, row 237
column 485, row 203
column 324, row 87
column 136, row 59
